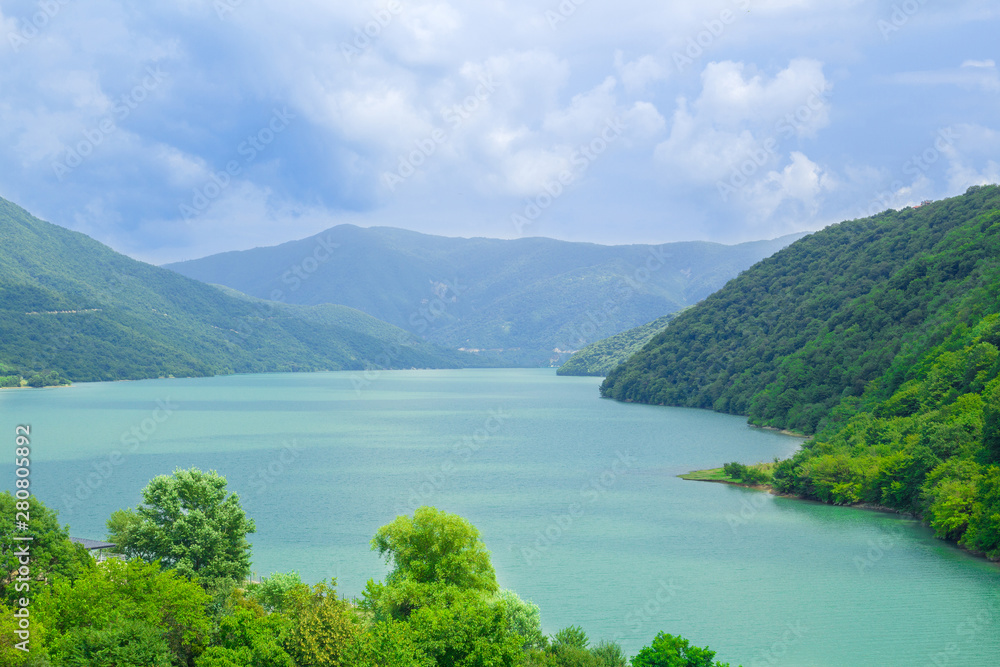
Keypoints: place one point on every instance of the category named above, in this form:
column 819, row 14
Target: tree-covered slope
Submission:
column 931, row 448
column 524, row 297
column 822, row 320
column 73, row 308
column 601, row 357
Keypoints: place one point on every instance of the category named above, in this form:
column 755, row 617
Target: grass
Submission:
column 762, row 475
column 712, row 475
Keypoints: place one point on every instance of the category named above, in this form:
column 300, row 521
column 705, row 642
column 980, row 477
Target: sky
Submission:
column 176, row 129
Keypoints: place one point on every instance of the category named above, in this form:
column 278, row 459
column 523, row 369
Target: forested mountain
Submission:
column 525, row 297
column 602, row 357
column 72, row 308
column 881, row 335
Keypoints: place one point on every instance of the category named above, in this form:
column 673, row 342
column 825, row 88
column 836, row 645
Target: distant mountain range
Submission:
column 72, row 308
column 529, row 301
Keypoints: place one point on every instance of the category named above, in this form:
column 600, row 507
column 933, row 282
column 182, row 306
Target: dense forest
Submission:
column 177, row 595
column 72, row 309
column 881, row 337
column 601, row 357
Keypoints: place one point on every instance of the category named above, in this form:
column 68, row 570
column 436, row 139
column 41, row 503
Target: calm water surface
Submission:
column 576, row 497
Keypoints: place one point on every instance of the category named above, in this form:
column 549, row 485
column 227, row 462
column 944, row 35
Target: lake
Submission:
column 577, row 498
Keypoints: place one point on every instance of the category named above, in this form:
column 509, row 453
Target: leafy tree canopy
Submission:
column 187, row 522
column 119, row 605
column 674, row 651
column 52, row 554
column 436, row 547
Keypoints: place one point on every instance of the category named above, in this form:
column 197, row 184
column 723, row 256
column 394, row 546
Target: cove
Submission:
column 577, row 498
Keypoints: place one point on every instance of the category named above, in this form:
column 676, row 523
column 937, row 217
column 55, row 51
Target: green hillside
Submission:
column 521, row 299
column 788, row 339
column 73, row 309
column 601, row 357
column 880, row 335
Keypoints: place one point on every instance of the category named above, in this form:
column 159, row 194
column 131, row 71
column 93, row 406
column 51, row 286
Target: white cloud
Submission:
column 802, row 182
column 741, row 115
column 637, row 74
column 358, row 112
column 733, row 96
column 972, row 158
column 586, row 112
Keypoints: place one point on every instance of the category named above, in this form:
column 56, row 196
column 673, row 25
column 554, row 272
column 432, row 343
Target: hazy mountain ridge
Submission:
column 524, row 296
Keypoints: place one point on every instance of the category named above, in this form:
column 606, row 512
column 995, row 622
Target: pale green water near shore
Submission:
column 576, row 497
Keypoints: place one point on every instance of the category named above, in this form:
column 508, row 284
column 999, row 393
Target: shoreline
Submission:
column 702, row 476
column 782, row 431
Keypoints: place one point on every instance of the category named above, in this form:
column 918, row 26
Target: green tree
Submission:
column 674, row 651
column 523, row 618
column 249, row 636
column 991, row 423
column 571, row 636
column 388, row 643
column 272, row 593
column 52, row 554
column 436, row 547
column 983, row 534
column 734, row 469
column 126, row 643
column 325, row 627
column 469, row 631
column 609, row 654
column 111, row 607
column 189, row 523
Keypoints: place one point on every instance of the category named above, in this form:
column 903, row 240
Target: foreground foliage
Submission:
column 439, row 607
column 189, row 523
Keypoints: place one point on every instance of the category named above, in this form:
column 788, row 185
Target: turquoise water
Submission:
column 576, row 497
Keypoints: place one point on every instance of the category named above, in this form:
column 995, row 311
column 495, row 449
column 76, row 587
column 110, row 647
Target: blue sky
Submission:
column 175, row 129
